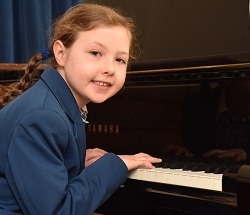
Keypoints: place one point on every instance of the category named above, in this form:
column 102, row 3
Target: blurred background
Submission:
column 25, row 25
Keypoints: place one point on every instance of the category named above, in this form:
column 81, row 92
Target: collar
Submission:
column 61, row 91
column 84, row 113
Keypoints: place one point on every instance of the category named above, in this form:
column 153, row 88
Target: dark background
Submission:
column 179, row 30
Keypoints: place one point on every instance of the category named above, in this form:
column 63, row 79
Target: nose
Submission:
column 109, row 67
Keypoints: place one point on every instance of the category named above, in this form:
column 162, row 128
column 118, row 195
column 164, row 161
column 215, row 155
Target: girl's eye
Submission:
column 120, row 60
column 95, row 53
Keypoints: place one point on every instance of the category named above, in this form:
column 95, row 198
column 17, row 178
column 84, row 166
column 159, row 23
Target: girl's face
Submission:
column 94, row 67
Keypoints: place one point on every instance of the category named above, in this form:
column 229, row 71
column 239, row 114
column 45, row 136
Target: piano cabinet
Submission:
column 140, row 198
column 147, row 115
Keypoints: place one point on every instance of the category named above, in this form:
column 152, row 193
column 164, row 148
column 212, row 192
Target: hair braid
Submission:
column 15, row 89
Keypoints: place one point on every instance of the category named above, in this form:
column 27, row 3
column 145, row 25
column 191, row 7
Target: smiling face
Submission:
column 94, row 67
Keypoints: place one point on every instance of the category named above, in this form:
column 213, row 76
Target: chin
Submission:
column 101, row 98
column 98, row 101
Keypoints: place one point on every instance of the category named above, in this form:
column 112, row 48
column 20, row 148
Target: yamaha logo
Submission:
column 102, row 128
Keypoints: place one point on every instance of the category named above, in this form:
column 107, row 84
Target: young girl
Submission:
column 44, row 165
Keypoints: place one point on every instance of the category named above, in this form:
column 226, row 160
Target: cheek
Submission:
column 121, row 79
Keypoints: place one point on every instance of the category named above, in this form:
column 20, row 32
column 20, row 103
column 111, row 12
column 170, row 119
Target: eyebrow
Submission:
column 103, row 46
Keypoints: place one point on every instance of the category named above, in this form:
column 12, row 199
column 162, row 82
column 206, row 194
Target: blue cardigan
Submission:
column 42, row 153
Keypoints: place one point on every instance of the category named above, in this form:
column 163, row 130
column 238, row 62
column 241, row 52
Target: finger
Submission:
column 90, row 161
column 96, row 152
column 100, row 150
column 141, row 155
column 150, row 159
column 93, row 155
column 144, row 156
column 145, row 164
column 140, row 160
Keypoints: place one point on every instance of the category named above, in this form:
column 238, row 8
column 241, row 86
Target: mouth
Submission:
column 101, row 83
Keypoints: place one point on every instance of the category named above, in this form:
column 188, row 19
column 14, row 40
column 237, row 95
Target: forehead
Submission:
column 115, row 36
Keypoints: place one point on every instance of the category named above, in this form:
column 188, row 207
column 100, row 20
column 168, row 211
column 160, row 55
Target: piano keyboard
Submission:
column 179, row 177
column 209, row 174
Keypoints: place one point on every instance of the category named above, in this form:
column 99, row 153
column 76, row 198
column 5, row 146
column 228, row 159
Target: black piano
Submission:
column 190, row 50
column 147, row 115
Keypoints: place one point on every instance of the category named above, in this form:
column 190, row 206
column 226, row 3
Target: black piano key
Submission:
column 208, row 165
column 200, row 167
column 187, row 167
column 180, row 162
column 170, row 160
column 178, row 165
column 210, row 168
column 190, row 165
column 158, row 165
column 167, row 163
column 221, row 170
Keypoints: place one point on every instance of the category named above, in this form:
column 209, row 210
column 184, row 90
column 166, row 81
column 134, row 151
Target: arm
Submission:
column 140, row 160
column 38, row 175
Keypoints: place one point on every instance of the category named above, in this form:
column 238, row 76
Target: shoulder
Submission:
column 45, row 118
column 41, row 128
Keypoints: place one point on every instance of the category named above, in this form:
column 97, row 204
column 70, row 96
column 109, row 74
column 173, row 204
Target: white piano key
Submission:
column 179, row 177
column 152, row 175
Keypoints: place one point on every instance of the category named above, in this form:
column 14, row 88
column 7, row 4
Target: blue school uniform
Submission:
column 42, row 153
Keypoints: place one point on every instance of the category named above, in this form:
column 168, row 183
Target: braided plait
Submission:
column 31, row 72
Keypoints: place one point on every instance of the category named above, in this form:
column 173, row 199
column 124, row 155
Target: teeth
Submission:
column 102, row 83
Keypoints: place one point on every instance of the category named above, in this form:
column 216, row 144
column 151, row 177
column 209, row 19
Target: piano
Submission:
column 151, row 107
column 157, row 107
column 147, row 115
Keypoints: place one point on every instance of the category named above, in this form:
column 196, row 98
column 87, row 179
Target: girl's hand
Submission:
column 140, row 160
column 92, row 155
column 236, row 154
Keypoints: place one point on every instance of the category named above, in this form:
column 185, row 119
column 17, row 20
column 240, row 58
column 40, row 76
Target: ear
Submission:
column 59, row 52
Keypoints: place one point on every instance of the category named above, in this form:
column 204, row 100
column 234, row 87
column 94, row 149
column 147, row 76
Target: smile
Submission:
column 100, row 83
